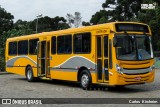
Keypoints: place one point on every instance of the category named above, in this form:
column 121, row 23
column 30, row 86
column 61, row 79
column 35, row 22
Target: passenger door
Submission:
column 43, row 58
column 102, row 58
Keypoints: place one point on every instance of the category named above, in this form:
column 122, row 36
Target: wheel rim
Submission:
column 84, row 80
column 29, row 74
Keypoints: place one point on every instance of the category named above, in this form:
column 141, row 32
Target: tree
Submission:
column 152, row 18
column 59, row 23
column 74, row 21
column 77, row 19
column 100, row 17
column 124, row 9
column 117, row 10
column 85, row 23
column 6, row 20
column 6, row 23
column 46, row 24
column 22, row 28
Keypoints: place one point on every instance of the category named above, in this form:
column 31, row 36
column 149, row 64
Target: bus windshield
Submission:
column 133, row 47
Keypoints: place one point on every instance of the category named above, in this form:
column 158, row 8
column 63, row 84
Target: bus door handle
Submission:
column 50, row 58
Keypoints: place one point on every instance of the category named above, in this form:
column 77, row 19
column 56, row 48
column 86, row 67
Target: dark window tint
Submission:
column 53, row 47
column 23, row 47
column 64, row 44
column 82, row 43
column 131, row 27
column 99, row 48
column 106, row 46
column 33, row 46
column 13, row 48
column 110, row 54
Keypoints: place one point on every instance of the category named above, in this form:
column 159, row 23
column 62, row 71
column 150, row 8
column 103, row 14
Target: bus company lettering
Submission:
column 14, row 101
column 101, row 31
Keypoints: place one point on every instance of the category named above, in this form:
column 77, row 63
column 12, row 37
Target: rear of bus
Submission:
column 133, row 60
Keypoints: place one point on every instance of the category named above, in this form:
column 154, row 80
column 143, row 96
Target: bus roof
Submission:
column 72, row 30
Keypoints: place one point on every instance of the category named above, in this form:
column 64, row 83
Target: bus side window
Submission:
column 64, row 44
column 12, row 48
column 53, row 47
column 60, row 45
column 33, row 46
column 23, row 47
column 82, row 43
column 68, row 44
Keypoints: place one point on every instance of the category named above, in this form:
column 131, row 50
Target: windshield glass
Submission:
column 133, row 47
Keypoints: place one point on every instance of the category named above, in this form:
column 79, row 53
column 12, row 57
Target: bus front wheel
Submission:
column 85, row 80
column 29, row 74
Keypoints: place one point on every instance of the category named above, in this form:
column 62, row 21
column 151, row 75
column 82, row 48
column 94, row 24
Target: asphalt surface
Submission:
column 16, row 86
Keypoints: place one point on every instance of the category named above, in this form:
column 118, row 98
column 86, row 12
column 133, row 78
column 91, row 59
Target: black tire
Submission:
column 85, row 80
column 29, row 74
column 120, row 86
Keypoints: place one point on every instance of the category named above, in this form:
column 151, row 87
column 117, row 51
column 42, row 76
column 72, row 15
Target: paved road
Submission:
column 15, row 86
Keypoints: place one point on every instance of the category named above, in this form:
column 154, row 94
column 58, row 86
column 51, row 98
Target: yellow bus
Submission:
column 114, row 54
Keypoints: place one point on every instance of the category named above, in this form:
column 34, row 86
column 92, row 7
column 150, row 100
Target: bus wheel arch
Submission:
column 84, row 73
column 29, row 73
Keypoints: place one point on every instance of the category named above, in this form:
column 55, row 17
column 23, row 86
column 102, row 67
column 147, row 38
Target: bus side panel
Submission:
column 16, row 70
column 63, row 66
column 94, row 77
column 64, row 75
column 35, row 72
column 33, row 65
column 18, row 65
column 69, row 75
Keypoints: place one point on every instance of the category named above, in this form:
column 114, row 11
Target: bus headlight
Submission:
column 119, row 69
column 152, row 68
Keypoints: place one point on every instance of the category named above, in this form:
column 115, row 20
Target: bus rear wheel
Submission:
column 85, row 80
column 29, row 74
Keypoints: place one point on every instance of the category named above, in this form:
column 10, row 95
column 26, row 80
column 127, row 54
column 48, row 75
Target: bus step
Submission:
column 43, row 75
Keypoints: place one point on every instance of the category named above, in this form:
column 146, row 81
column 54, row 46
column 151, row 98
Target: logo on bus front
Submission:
column 138, row 78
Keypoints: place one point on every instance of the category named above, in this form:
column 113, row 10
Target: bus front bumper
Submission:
column 124, row 79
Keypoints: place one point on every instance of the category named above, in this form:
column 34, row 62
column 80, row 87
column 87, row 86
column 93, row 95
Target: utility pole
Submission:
column 38, row 16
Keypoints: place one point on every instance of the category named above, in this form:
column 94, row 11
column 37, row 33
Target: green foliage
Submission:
column 117, row 10
column 6, row 23
column 158, row 45
column 2, row 64
column 85, row 23
column 6, row 20
column 46, row 24
column 152, row 18
column 100, row 17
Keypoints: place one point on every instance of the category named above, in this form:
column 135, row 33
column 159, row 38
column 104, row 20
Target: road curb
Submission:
column 3, row 73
